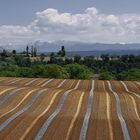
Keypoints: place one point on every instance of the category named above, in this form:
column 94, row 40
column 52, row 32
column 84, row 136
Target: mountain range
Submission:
column 84, row 49
column 87, row 49
column 78, row 46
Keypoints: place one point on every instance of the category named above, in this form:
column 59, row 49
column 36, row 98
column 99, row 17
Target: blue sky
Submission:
column 23, row 11
column 104, row 21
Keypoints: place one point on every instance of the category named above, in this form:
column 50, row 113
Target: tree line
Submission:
column 126, row 67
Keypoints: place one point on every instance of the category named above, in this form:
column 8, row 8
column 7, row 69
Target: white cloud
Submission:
column 14, row 34
column 92, row 11
column 90, row 26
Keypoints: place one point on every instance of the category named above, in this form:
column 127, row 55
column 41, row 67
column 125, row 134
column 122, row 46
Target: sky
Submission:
column 102, row 21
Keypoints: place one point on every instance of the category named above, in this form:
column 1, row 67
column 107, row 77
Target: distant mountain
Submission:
column 73, row 48
column 77, row 46
column 98, row 53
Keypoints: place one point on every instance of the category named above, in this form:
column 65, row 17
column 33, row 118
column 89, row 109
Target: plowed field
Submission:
column 56, row 109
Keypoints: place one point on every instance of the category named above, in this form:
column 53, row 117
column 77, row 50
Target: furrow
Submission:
column 26, row 107
column 24, row 98
column 134, row 94
column 138, row 83
column 84, row 128
column 75, row 116
column 2, row 92
column 108, row 113
column 29, row 83
column 61, row 83
column 46, row 124
column 119, row 113
column 47, row 82
column 5, row 98
column 28, row 120
column 126, row 88
column 41, row 82
column 14, row 81
column 40, row 115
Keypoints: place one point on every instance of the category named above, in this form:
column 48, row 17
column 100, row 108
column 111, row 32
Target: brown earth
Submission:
column 104, row 123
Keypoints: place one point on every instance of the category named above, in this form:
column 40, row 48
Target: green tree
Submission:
column 21, row 61
column 105, row 76
column 53, row 59
column 131, row 75
column 105, row 58
column 6, row 73
column 24, row 72
column 32, row 51
column 77, row 71
column 77, row 59
column 42, row 57
column 14, row 52
column 27, row 51
column 62, row 52
column 89, row 61
column 35, row 52
column 68, row 61
column 55, row 71
column 5, row 53
column 38, row 70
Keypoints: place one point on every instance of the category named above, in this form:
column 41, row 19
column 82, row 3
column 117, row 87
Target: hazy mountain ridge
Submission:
column 88, row 48
column 71, row 46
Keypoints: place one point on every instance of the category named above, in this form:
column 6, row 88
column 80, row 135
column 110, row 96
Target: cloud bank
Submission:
column 89, row 26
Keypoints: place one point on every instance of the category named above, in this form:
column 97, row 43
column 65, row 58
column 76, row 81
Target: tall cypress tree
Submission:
column 35, row 52
column 27, row 50
column 63, row 52
column 32, row 51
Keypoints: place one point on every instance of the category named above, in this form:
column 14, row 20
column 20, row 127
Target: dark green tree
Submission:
column 105, row 76
column 77, row 71
column 42, row 57
column 35, row 52
column 131, row 75
column 32, row 51
column 62, row 52
column 77, row 59
column 27, row 51
column 56, row 71
column 14, row 52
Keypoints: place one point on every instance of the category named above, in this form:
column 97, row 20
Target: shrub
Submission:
column 77, row 71
column 131, row 75
column 105, row 76
column 24, row 72
column 55, row 71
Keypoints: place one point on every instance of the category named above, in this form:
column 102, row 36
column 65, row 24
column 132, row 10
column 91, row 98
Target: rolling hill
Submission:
column 56, row 109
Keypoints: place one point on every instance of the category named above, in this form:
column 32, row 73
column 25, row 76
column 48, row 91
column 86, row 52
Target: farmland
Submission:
column 56, row 109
